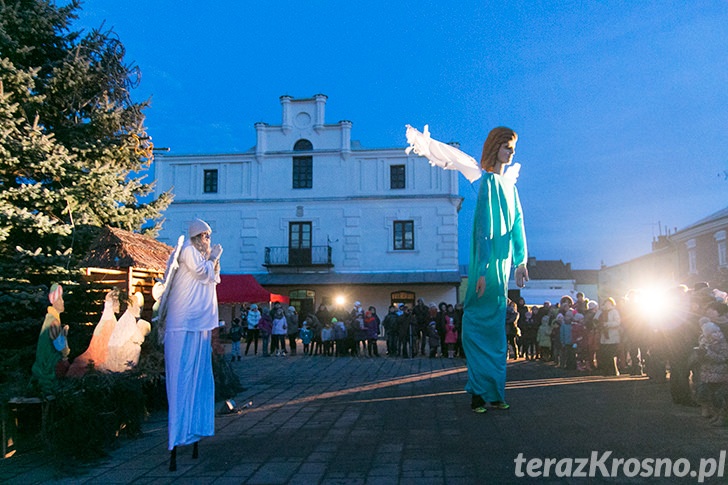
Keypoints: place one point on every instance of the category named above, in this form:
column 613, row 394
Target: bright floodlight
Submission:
column 340, row 300
column 656, row 305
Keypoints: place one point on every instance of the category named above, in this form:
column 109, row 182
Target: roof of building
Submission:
column 425, row 277
column 721, row 214
column 586, row 276
column 549, row 270
column 117, row 248
column 553, row 270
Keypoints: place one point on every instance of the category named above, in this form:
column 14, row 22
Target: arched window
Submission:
column 302, row 145
column 302, row 166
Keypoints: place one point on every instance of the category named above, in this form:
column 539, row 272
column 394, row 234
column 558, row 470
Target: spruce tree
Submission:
column 73, row 152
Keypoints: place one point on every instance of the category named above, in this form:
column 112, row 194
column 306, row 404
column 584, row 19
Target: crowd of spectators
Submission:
column 432, row 330
column 682, row 338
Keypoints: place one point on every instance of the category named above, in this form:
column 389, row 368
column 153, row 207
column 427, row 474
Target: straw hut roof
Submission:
column 117, row 248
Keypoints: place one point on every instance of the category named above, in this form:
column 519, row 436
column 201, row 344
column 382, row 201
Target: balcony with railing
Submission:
column 296, row 259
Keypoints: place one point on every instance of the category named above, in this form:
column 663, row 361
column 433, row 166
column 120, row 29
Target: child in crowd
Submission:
column 306, row 337
column 327, row 338
column 544, row 338
column 451, row 336
column 235, row 334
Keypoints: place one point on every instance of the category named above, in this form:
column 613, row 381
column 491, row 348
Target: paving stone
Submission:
column 321, row 420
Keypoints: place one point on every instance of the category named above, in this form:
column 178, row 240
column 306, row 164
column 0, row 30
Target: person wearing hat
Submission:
column 191, row 316
column 51, row 355
column 253, row 319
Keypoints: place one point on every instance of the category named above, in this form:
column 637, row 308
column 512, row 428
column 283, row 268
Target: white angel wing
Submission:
column 512, row 172
column 442, row 154
column 172, row 266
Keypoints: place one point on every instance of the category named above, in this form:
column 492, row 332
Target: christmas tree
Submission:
column 73, row 156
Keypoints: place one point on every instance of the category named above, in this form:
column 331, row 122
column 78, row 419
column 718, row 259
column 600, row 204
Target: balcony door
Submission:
column 299, row 243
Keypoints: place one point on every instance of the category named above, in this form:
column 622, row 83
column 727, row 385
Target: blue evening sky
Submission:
column 621, row 106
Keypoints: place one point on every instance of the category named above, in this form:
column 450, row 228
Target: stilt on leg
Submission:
column 173, row 460
column 195, row 453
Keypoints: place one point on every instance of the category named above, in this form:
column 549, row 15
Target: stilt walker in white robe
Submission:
column 189, row 314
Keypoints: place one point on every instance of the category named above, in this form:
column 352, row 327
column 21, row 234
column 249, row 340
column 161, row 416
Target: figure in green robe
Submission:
column 51, row 355
column 499, row 241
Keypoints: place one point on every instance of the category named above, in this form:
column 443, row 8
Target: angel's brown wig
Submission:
column 497, row 137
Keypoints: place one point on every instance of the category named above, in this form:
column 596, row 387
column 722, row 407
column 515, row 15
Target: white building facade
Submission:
column 316, row 217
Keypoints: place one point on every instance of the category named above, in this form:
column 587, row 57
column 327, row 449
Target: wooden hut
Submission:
column 128, row 261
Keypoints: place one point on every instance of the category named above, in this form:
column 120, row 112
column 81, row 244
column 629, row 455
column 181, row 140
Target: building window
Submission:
column 302, row 172
column 404, row 235
column 303, row 145
column 299, row 294
column 302, row 166
column 692, row 262
column 720, row 239
column 299, row 243
column 402, row 298
column 210, row 182
column 396, row 177
column 692, row 257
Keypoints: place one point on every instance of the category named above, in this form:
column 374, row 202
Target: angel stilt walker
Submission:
column 188, row 314
column 499, row 240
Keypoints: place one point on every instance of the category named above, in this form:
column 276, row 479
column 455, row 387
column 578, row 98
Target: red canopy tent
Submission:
column 242, row 288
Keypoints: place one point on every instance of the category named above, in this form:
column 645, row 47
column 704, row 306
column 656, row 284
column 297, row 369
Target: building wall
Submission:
column 669, row 263
column 359, row 232
column 706, row 245
column 538, row 291
column 351, row 205
column 591, row 292
column 377, row 296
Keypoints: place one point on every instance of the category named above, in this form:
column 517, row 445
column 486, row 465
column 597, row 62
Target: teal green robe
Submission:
column 47, row 355
column 499, row 240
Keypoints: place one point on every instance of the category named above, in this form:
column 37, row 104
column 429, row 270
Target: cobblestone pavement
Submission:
column 323, row 420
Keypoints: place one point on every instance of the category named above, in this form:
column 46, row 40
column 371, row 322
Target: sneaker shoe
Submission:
column 477, row 404
column 500, row 405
